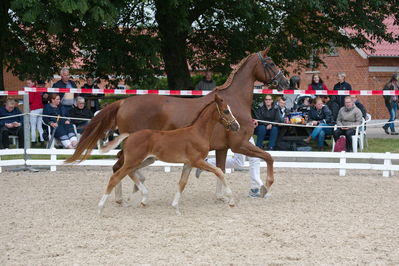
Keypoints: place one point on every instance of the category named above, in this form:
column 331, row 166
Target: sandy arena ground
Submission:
column 312, row 218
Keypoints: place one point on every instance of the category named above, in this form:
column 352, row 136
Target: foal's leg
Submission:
column 251, row 150
column 182, row 184
column 113, row 181
column 221, row 156
column 145, row 163
column 219, row 173
column 118, row 188
column 141, row 187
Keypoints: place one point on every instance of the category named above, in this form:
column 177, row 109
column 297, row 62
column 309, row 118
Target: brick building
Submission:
column 365, row 70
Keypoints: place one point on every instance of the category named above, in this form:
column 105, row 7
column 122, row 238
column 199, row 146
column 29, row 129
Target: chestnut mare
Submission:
column 189, row 145
column 167, row 113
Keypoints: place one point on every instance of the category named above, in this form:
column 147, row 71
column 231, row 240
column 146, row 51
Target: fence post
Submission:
column 26, row 126
column 167, row 169
column 53, row 159
column 387, row 163
column 342, row 162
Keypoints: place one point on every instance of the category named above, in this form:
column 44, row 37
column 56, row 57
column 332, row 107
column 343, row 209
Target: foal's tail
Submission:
column 97, row 129
column 114, row 143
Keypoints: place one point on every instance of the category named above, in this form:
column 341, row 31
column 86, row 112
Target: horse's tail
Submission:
column 114, row 143
column 97, row 129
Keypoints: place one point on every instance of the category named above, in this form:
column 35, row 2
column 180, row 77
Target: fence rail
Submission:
column 283, row 159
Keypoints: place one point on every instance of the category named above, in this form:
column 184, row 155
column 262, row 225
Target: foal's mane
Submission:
column 229, row 80
column 201, row 112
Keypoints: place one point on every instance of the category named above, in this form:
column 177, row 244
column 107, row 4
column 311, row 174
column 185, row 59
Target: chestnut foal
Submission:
column 189, row 145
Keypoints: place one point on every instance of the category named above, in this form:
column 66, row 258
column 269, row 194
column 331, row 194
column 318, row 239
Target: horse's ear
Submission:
column 218, row 99
column 264, row 52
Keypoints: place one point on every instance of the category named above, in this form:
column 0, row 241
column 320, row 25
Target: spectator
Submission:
column 341, row 85
column 207, row 83
column 359, row 105
column 63, row 128
column 42, row 84
column 67, row 99
column 79, row 110
column 266, row 112
column 92, row 100
column 295, row 82
column 320, row 115
column 12, row 125
column 391, row 102
column 349, row 115
column 283, row 114
column 317, row 83
column 333, row 106
column 36, row 110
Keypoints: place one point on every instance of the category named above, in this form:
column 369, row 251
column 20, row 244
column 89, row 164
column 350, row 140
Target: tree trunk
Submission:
column 4, row 7
column 173, row 31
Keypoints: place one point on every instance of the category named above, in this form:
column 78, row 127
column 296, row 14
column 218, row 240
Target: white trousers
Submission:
column 237, row 161
column 36, row 124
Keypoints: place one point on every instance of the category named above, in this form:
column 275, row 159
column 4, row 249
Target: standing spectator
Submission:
column 341, row 85
column 207, row 83
column 12, row 125
column 63, row 128
column 317, row 83
column 391, row 102
column 333, row 106
column 266, row 112
column 359, row 105
column 36, row 110
column 67, row 99
column 349, row 115
column 295, row 82
column 320, row 115
column 42, row 84
column 92, row 100
column 79, row 110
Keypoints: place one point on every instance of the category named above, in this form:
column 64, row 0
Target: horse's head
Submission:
column 226, row 116
column 271, row 75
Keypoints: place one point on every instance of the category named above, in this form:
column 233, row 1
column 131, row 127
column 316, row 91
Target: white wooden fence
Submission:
column 286, row 159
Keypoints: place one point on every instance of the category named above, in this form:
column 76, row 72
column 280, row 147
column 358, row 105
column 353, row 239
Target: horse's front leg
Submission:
column 221, row 156
column 251, row 150
column 182, row 184
column 219, row 173
column 141, row 187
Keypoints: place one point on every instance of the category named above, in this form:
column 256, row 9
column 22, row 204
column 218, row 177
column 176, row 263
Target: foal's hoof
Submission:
column 142, row 204
column 232, row 203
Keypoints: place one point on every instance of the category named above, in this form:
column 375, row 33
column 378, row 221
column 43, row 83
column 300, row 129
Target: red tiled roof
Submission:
column 384, row 48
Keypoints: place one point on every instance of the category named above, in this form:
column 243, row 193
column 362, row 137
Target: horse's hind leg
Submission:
column 113, row 181
column 182, row 184
column 221, row 156
column 118, row 188
column 219, row 173
column 145, row 163
column 141, row 187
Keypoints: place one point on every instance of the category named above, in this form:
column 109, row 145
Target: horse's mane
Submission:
column 202, row 111
column 229, row 80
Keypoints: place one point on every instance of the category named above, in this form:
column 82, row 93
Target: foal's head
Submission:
column 226, row 117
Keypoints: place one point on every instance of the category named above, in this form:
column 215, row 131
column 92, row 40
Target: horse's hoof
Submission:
column 263, row 191
column 142, row 204
column 124, row 203
column 232, row 203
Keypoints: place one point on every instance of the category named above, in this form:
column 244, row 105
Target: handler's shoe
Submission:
column 254, row 193
column 198, row 172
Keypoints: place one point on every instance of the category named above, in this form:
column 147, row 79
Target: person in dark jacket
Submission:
column 320, row 115
column 67, row 99
column 359, row 105
column 341, row 85
column 63, row 128
column 391, row 103
column 333, row 106
column 267, row 112
column 206, row 83
column 317, row 83
column 79, row 110
column 11, row 125
column 92, row 100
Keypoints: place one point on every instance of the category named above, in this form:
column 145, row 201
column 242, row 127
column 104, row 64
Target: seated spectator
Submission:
column 295, row 82
column 79, row 110
column 341, row 85
column 92, row 100
column 320, row 115
column 67, row 99
column 266, row 112
column 12, row 125
column 333, row 106
column 63, row 128
column 359, row 105
column 36, row 109
column 207, row 83
column 283, row 117
column 317, row 83
column 349, row 115
column 304, row 105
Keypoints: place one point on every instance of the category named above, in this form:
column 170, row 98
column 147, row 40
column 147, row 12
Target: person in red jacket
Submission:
column 36, row 110
column 317, row 83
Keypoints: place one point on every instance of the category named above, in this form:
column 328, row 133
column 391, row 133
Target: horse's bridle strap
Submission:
column 227, row 123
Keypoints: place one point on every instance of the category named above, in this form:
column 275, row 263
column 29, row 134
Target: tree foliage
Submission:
column 139, row 39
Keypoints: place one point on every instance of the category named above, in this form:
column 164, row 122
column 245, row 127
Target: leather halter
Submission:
column 226, row 122
column 269, row 68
